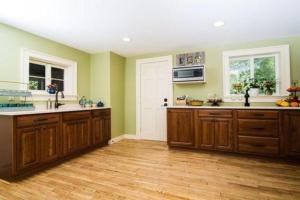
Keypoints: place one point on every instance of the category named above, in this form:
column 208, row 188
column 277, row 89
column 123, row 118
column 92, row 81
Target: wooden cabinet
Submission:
column 223, row 134
column 214, row 130
column 36, row 145
column 27, row 148
column 75, row 132
column 292, row 133
column 32, row 142
column 49, row 140
column 69, row 137
column 101, row 127
column 258, row 132
column 180, row 127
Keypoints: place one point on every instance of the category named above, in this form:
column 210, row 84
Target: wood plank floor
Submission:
column 149, row 170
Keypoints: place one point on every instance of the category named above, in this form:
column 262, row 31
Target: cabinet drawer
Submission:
column 99, row 113
column 76, row 115
column 30, row 120
column 257, row 114
column 258, row 145
column 215, row 113
column 252, row 127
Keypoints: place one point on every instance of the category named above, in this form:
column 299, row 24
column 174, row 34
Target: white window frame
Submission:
column 282, row 56
column 70, row 70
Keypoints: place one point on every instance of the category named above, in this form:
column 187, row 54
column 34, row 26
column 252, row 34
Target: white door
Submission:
column 155, row 89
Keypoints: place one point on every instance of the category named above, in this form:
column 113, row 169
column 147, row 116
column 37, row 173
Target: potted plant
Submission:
column 269, row 86
column 254, row 87
column 52, row 88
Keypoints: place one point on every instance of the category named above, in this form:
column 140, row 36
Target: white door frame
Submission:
column 139, row 62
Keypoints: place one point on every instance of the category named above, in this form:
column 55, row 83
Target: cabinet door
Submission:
column 292, row 133
column 223, row 134
column 180, row 127
column 98, row 130
column 83, row 133
column 69, row 137
column 49, row 142
column 205, row 133
column 107, row 129
column 27, row 152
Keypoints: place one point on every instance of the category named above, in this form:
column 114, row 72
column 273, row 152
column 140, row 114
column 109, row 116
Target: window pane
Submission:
column 37, row 70
column 59, row 84
column 57, row 73
column 36, row 83
column 265, row 71
column 239, row 72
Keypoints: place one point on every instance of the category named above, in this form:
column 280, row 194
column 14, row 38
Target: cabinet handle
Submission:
column 258, row 145
column 214, row 113
column 40, row 120
column 258, row 128
column 259, row 114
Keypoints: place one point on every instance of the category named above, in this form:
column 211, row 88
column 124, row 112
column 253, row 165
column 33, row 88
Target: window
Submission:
column 267, row 68
column 41, row 70
column 39, row 78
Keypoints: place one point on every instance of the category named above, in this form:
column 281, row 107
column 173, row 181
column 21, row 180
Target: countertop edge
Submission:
column 237, row 107
column 36, row 112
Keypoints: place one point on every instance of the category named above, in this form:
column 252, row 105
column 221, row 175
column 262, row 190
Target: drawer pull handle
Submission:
column 40, row 120
column 258, row 128
column 259, row 114
column 214, row 113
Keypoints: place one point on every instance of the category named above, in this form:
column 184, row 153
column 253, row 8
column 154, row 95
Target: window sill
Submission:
column 240, row 98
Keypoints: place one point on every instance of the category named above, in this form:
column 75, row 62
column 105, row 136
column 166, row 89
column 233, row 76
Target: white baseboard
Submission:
column 122, row 137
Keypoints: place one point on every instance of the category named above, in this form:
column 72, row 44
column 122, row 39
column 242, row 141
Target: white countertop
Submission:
column 44, row 110
column 239, row 107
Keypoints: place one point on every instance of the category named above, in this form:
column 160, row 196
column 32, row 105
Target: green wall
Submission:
column 214, row 73
column 100, row 77
column 117, row 93
column 107, row 85
column 11, row 42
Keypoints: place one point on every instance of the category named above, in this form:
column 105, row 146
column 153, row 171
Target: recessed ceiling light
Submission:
column 126, row 39
column 219, row 24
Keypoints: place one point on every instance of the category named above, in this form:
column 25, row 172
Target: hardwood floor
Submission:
column 148, row 170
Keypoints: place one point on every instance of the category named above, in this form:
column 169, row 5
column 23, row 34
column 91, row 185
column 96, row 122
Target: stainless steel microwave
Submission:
column 189, row 74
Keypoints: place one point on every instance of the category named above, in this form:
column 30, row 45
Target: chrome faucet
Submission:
column 56, row 99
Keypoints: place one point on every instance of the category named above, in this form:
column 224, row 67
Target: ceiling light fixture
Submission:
column 219, row 24
column 126, row 39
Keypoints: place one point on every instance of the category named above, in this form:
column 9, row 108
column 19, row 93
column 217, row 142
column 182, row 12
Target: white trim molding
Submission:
column 139, row 62
column 69, row 66
column 123, row 137
column 282, row 53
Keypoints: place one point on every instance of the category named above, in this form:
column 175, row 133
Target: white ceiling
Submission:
column 153, row 25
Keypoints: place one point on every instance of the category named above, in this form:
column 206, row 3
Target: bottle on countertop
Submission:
column 49, row 104
column 82, row 101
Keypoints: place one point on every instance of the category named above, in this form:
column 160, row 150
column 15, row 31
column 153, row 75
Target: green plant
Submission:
column 33, row 85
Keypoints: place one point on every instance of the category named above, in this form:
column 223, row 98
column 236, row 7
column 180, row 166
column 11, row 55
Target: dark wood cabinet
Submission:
column 32, row 142
column 205, row 133
column 69, row 137
column 49, row 140
column 101, row 127
column 265, row 132
column 214, row 130
column 27, row 148
column 292, row 130
column 180, row 127
column 223, row 134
